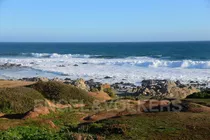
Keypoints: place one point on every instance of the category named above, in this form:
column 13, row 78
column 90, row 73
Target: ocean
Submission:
column 122, row 62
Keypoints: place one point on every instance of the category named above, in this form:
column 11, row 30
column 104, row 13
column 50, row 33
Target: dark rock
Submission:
column 76, row 65
column 85, row 63
column 36, row 79
column 107, row 77
column 61, row 66
column 67, row 79
column 10, row 65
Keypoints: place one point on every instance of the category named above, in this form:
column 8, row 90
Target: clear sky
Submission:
column 104, row 20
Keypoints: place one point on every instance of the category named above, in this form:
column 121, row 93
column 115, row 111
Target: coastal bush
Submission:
column 111, row 92
column 202, row 95
column 94, row 90
column 103, row 128
column 18, row 100
column 63, row 93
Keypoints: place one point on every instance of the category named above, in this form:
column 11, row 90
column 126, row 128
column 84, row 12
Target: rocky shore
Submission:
column 153, row 88
column 150, row 87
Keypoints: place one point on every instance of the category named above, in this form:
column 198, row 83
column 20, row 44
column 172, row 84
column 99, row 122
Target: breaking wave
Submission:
column 147, row 62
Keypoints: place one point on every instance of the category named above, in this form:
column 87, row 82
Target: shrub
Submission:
column 111, row 92
column 202, row 95
column 104, row 128
column 94, row 90
column 58, row 91
column 18, row 100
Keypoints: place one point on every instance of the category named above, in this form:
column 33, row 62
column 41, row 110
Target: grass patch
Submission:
column 29, row 133
column 149, row 126
column 205, row 102
column 18, row 100
column 62, row 93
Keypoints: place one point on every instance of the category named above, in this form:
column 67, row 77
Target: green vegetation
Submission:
column 68, row 123
column 110, row 91
column 94, row 90
column 149, row 126
column 29, row 133
column 61, row 92
column 205, row 102
column 18, row 100
column 164, row 125
column 36, row 133
column 200, row 95
column 64, row 118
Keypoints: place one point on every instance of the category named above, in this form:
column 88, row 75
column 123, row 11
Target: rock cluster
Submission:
column 35, row 79
column 198, row 85
column 125, row 87
column 166, row 89
column 154, row 88
column 80, row 83
column 9, row 65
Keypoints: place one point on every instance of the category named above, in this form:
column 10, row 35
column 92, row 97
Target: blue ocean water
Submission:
column 127, row 62
column 163, row 50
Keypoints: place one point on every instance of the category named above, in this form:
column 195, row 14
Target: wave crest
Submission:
column 56, row 55
column 146, row 62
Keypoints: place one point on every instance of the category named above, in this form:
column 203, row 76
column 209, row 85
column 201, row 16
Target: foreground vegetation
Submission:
column 146, row 126
column 60, row 92
column 200, row 95
column 67, row 124
column 18, row 100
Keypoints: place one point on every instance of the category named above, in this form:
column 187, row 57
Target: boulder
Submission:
column 58, row 80
column 80, row 83
column 93, row 86
column 35, row 79
column 107, row 77
column 10, row 65
column 167, row 89
column 43, row 79
column 181, row 93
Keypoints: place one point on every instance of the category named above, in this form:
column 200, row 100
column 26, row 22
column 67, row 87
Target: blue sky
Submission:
column 104, row 20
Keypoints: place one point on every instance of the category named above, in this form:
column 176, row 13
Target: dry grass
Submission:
column 11, row 84
column 101, row 96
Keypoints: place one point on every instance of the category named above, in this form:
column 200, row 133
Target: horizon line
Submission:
column 103, row 41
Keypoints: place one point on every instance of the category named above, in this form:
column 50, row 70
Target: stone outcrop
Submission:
column 35, row 79
column 80, row 83
column 166, row 89
column 9, row 65
column 93, row 86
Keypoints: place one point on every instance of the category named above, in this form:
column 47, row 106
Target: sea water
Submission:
column 127, row 62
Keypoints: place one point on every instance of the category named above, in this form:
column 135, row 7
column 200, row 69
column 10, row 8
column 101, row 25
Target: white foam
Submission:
column 56, row 55
column 132, row 69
